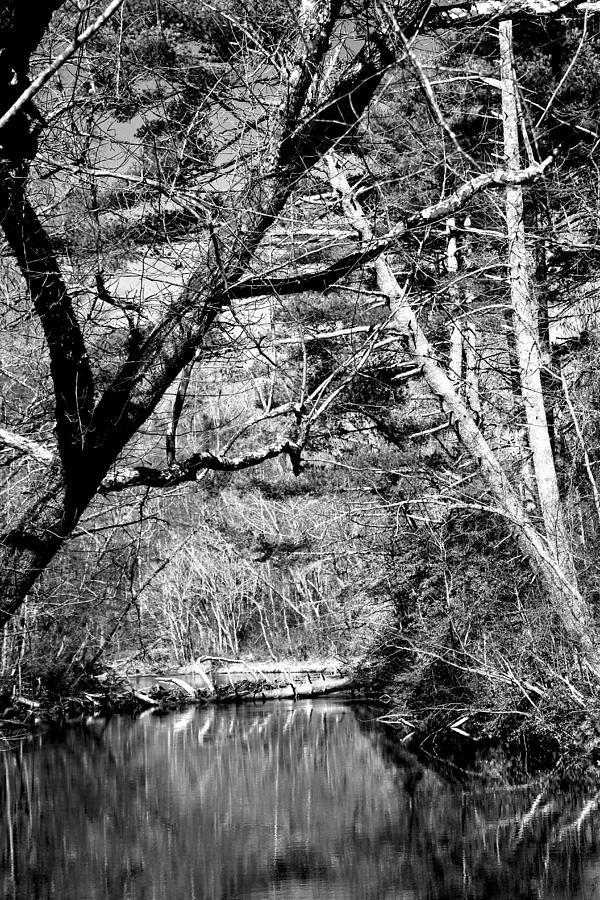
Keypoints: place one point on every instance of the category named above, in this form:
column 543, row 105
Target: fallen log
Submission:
column 144, row 699
column 185, row 687
column 306, row 689
column 30, row 704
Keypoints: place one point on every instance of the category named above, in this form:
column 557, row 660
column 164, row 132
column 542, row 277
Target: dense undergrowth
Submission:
column 505, row 711
column 442, row 621
column 472, row 664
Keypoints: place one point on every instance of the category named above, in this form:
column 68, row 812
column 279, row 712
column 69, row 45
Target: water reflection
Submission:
column 285, row 802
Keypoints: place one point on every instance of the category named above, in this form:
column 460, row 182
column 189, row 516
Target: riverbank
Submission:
column 29, row 706
column 559, row 742
column 472, row 728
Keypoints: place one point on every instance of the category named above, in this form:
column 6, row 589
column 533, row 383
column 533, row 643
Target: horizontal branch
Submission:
column 320, row 279
column 456, row 12
column 123, row 478
column 145, row 476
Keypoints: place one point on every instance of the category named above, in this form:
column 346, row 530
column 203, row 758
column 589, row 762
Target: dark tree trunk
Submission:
column 92, row 433
column 28, row 545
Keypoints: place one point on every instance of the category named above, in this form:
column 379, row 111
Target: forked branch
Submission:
column 324, row 277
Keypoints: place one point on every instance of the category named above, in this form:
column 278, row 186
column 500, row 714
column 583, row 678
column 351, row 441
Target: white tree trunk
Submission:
column 470, row 334
column 455, row 356
column 526, row 327
column 567, row 603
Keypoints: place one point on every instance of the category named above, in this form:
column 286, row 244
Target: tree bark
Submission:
column 69, row 362
column 455, row 355
column 566, row 601
column 28, row 545
column 526, row 327
column 92, row 432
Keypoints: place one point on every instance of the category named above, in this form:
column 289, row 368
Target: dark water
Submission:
column 293, row 802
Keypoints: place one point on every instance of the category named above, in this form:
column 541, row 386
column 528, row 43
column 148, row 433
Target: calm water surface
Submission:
column 273, row 802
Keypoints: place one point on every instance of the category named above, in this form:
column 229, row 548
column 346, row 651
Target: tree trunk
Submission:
column 526, row 328
column 470, row 334
column 567, row 603
column 26, row 547
column 455, row 355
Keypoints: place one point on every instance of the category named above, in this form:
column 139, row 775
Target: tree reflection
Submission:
column 286, row 801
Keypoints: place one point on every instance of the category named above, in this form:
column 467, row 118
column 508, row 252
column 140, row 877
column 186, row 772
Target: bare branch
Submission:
column 566, row 74
column 188, row 470
column 57, row 63
column 320, row 279
column 17, row 442
column 136, row 476
column 427, row 87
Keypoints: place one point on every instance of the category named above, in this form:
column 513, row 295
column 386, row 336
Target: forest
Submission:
column 300, row 344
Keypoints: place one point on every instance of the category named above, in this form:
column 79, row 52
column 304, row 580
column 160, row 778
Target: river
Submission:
column 281, row 801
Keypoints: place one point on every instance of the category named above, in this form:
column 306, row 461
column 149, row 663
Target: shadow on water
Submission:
column 286, row 801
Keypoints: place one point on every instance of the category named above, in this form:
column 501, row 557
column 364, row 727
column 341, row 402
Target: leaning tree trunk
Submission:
column 91, row 430
column 526, row 328
column 565, row 599
column 28, row 545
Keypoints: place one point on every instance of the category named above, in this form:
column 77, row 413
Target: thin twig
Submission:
column 38, row 83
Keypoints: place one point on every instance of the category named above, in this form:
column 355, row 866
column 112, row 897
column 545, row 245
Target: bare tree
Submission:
column 93, row 426
column 307, row 104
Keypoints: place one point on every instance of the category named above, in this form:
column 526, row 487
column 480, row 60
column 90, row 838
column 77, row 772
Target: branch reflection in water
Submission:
column 286, row 801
